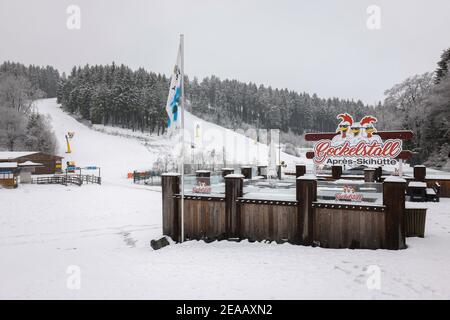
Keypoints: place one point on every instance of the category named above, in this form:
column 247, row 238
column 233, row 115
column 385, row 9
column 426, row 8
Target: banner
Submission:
column 355, row 144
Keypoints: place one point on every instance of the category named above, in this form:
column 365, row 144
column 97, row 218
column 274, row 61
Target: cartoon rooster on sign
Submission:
column 343, row 129
column 356, row 133
column 369, row 129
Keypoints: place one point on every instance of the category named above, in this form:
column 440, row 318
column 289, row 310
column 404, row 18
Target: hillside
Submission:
column 122, row 150
column 114, row 154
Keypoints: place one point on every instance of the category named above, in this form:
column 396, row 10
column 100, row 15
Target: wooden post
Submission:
column 394, row 201
column 300, row 170
column 234, row 187
column 369, row 175
column 203, row 176
column 378, row 174
column 227, row 171
column 420, row 173
column 170, row 183
column 306, row 194
column 336, row 172
column 247, row 172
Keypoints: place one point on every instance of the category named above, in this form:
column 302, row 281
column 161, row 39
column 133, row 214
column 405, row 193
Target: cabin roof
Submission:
column 8, row 165
column 10, row 155
column 30, row 164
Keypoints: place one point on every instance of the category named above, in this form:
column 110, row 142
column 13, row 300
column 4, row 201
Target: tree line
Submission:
column 116, row 95
column 231, row 103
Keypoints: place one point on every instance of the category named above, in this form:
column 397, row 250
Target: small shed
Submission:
column 26, row 169
column 50, row 163
column 8, row 174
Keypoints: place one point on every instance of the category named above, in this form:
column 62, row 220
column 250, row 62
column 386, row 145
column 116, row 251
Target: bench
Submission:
column 433, row 192
column 417, row 191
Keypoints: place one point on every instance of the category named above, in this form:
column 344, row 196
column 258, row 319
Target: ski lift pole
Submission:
column 68, row 145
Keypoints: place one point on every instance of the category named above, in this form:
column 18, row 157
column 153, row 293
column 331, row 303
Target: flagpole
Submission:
column 182, row 135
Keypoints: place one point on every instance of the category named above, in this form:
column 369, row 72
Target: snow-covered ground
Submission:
column 104, row 231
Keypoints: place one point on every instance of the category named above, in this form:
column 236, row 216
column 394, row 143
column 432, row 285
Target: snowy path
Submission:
column 105, row 231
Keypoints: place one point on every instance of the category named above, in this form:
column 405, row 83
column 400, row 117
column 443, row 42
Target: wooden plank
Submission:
column 333, row 230
column 284, row 229
column 271, row 221
column 366, row 232
column 253, row 226
column 354, row 230
column 337, row 221
column 345, row 229
column 324, row 220
column 259, row 221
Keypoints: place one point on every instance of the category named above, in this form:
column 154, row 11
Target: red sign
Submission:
column 357, row 144
column 201, row 188
column 349, row 194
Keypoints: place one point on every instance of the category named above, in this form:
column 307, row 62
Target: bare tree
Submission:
column 405, row 106
column 12, row 128
column 18, row 93
column 20, row 127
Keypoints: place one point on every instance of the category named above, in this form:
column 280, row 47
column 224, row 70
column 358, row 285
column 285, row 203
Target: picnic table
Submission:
column 417, row 191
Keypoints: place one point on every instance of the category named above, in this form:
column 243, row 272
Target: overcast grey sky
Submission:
column 319, row 46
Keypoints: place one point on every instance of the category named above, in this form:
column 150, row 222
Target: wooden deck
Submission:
column 304, row 221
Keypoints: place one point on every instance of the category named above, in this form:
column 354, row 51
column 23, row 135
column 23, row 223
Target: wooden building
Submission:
column 50, row 163
column 8, row 175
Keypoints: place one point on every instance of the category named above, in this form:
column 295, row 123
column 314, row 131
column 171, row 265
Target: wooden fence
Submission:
column 262, row 220
column 86, row 178
column 361, row 227
column 204, row 218
column 304, row 221
column 68, row 179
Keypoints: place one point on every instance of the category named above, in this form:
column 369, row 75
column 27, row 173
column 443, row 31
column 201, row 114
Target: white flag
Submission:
column 173, row 105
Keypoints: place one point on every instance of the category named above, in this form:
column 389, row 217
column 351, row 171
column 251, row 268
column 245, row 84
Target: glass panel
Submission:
column 197, row 186
column 353, row 191
column 270, row 189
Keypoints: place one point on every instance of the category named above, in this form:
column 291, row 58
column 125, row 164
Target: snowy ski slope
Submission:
column 117, row 154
